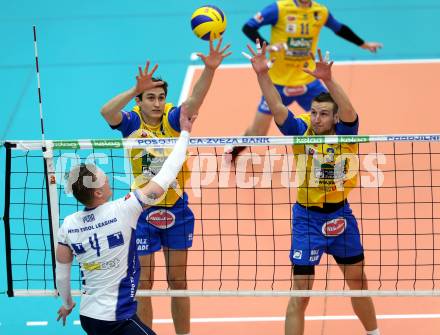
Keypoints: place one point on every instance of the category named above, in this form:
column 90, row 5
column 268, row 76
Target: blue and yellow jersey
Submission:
column 146, row 163
column 326, row 172
column 298, row 28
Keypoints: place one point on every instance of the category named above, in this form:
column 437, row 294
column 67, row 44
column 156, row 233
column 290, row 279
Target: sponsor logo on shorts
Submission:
column 142, row 244
column 293, row 91
column 297, row 254
column 334, row 227
column 161, row 219
column 314, row 255
column 190, row 237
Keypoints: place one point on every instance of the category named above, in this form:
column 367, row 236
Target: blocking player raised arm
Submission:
column 323, row 71
column 111, row 111
column 273, row 98
column 159, row 184
column 212, row 61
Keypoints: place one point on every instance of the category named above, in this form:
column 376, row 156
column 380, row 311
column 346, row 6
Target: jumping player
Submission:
column 169, row 224
column 322, row 218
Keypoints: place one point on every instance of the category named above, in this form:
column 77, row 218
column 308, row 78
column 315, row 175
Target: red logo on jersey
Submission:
column 293, row 91
column 127, row 196
column 290, row 18
column 161, row 219
column 334, row 227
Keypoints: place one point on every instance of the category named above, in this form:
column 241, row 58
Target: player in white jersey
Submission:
column 103, row 240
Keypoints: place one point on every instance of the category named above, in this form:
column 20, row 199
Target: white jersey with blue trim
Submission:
column 104, row 243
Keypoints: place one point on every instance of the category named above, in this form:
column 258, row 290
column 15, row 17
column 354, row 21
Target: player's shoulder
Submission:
column 72, row 220
column 304, row 117
column 168, row 108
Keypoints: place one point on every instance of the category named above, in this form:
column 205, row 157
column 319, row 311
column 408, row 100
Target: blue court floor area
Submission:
column 89, row 51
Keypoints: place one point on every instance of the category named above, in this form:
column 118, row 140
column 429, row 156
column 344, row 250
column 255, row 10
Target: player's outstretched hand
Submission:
column 63, row 312
column 258, row 58
column 144, row 81
column 186, row 119
column 323, row 68
column 372, row 46
column 216, row 54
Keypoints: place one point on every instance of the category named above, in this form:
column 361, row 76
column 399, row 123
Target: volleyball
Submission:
column 208, row 22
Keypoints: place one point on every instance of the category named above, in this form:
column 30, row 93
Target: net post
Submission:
column 52, row 203
column 10, row 289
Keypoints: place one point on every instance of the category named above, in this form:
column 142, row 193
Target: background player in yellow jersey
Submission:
column 296, row 25
column 170, row 224
column 322, row 218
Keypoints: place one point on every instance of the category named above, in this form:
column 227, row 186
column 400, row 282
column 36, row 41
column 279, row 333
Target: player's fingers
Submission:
column 331, row 63
column 64, row 320
column 154, row 69
column 146, row 67
column 225, row 48
column 307, row 71
column 59, row 316
column 258, row 46
column 264, row 47
column 219, row 44
column 158, row 83
column 320, row 55
column 251, row 50
column 211, row 45
column 201, row 56
column 140, row 72
column 312, row 55
column 228, row 54
column 246, row 55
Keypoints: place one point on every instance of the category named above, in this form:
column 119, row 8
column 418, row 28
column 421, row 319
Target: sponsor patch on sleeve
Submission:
column 259, row 17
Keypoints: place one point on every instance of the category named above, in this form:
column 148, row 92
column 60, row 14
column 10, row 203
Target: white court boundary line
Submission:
column 270, row 319
column 184, row 93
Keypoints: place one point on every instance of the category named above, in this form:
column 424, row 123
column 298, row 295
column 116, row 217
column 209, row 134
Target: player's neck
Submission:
column 303, row 5
column 151, row 121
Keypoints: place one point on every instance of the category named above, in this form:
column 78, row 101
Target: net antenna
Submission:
column 49, row 169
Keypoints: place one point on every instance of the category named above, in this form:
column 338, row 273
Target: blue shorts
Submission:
column 171, row 227
column 130, row 326
column 314, row 233
column 303, row 95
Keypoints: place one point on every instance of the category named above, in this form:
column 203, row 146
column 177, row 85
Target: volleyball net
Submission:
column 243, row 212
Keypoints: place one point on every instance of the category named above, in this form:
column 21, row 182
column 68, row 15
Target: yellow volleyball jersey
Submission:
column 146, row 163
column 326, row 172
column 299, row 29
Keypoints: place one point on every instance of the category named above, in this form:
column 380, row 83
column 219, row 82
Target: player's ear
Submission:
column 136, row 98
column 98, row 193
column 335, row 117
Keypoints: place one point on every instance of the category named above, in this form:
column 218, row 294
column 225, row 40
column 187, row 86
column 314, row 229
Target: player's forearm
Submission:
column 200, row 90
column 173, row 164
column 347, row 112
column 62, row 273
column 347, row 34
column 273, row 98
column 111, row 111
column 253, row 34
